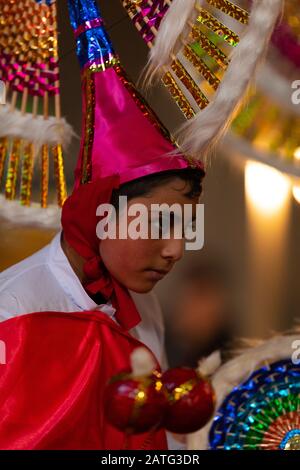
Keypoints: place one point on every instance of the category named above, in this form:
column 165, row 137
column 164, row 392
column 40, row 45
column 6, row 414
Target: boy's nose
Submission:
column 173, row 249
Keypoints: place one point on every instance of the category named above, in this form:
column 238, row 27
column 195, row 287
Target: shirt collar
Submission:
column 63, row 272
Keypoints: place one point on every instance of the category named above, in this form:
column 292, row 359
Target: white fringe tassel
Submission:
column 238, row 370
column 51, row 131
column 33, row 215
column 198, row 136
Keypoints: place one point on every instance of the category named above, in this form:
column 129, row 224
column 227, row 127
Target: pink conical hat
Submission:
column 120, row 134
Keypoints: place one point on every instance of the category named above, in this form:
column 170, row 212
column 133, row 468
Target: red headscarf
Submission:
column 79, row 223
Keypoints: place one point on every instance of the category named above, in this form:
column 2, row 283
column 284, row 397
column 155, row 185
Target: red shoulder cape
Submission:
column 51, row 387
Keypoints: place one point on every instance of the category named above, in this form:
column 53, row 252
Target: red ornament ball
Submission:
column 135, row 404
column 191, row 400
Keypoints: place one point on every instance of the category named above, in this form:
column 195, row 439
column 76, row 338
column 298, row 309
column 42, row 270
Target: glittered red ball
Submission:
column 134, row 405
column 190, row 400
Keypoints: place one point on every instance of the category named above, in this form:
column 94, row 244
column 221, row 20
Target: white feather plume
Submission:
column 38, row 130
column 33, row 215
column 198, row 136
column 172, row 31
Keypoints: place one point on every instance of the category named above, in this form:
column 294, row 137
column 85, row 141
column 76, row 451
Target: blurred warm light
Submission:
column 297, row 153
column 266, row 187
column 296, row 193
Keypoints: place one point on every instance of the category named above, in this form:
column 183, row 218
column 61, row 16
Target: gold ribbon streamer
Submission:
column 210, row 48
column 3, row 154
column 11, row 180
column 217, row 27
column 59, row 175
column 231, row 9
column 201, row 67
column 190, row 84
column 178, row 96
column 27, row 172
column 44, row 175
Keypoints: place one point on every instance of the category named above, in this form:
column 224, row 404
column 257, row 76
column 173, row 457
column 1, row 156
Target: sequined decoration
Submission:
column 59, row 175
column 3, row 154
column 263, row 413
column 27, row 172
column 29, row 66
column 201, row 67
column 209, row 47
column 88, row 85
column 27, row 45
column 13, row 166
column 44, row 175
column 231, row 9
column 178, row 96
column 93, row 45
column 198, row 69
column 147, row 15
column 217, row 27
column 190, row 84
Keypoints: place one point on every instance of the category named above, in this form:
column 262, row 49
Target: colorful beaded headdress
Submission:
column 258, row 400
column 32, row 131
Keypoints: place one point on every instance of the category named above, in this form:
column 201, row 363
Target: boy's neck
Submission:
column 75, row 260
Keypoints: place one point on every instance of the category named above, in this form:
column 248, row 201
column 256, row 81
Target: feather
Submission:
column 173, row 29
column 198, row 136
column 33, row 215
column 39, row 131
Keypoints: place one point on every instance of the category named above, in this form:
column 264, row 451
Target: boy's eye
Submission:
column 161, row 224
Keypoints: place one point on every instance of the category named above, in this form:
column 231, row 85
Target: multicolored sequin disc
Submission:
column 263, row 413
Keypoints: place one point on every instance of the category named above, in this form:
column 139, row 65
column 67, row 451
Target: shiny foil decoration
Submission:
column 135, row 405
column 27, row 172
column 28, row 45
column 147, row 15
column 59, row 174
column 217, row 27
column 12, row 172
column 193, row 81
column 230, row 9
column 3, row 153
column 29, row 68
column 191, row 400
column 262, row 413
column 270, row 129
column 44, row 175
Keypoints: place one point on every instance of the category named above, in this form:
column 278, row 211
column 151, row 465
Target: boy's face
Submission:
column 139, row 264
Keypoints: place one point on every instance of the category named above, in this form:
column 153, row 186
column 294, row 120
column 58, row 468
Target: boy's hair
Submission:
column 143, row 186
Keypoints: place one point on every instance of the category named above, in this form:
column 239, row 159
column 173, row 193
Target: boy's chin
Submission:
column 142, row 288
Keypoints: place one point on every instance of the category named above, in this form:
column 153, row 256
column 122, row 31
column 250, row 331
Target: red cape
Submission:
column 51, row 387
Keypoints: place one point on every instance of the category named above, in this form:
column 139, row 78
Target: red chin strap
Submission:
column 79, row 221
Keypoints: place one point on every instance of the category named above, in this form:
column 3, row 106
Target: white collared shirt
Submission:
column 46, row 282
